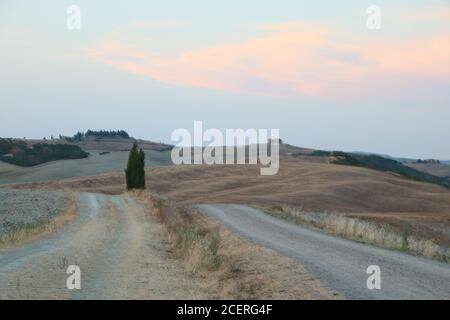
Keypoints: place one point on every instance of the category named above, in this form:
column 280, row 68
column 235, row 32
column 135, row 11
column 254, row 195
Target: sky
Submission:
column 312, row 69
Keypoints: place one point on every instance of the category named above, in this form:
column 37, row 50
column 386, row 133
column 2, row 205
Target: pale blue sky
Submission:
column 150, row 68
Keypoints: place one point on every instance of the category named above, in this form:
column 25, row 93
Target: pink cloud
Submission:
column 290, row 59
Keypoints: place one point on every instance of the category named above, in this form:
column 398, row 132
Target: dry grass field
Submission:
column 96, row 163
column 105, row 144
column 309, row 184
column 116, row 144
column 442, row 170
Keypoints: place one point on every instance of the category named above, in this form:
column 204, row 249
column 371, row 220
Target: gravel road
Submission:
column 118, row 247
column 340, row 263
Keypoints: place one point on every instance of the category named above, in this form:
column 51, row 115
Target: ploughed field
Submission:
column 20, row 209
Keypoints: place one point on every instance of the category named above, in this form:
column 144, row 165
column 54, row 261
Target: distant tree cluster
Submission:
column 19, row 153
column 135, row 171
column 80, row 136
column 7, row 144
column 77, row 137
column 429, row 161
column 108, row 134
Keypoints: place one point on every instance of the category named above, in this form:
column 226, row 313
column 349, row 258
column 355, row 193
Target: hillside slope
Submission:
column 96, row 163
column 309, row 183
column 23, row 154
column 441, row 170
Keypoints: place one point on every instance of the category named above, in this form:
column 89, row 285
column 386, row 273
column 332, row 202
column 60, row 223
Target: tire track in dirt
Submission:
column 118, row 247
column 340, row 263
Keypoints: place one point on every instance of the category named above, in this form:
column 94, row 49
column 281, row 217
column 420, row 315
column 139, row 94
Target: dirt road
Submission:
column 118, row 248
column 342, row 264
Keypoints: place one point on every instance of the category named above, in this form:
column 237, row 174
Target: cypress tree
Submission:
column 141, row 169
column 131, row 170
column 135, row 171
